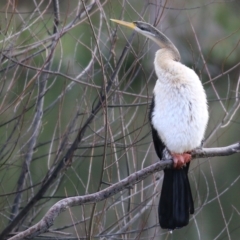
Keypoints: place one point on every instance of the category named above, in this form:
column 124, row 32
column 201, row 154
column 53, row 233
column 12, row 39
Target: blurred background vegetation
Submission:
column 75, row 93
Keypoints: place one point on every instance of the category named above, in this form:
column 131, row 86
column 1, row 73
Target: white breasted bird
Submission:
column 178, row 117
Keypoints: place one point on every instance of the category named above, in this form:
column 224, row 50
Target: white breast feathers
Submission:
column 180, row 114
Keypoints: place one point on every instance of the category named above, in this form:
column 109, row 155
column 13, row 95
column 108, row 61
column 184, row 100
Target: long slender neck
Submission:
column 158, row 37
column 165, row 43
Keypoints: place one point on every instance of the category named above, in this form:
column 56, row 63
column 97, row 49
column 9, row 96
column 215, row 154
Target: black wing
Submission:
column 158, row 144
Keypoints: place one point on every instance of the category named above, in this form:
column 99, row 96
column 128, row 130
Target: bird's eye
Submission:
column 140, row 25
column 142, row 28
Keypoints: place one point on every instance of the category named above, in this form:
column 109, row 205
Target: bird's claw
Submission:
column 180, row 160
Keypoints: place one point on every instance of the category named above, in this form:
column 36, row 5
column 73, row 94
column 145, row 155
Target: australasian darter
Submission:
column 178, row 117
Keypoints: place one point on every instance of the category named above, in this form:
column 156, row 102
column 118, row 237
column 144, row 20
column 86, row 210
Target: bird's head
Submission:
column 153, row 33
column 144, row 28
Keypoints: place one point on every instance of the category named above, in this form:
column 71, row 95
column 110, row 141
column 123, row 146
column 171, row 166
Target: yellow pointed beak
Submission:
column 127, row 24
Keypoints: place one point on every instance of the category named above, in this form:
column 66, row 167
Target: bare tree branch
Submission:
column 48, row 220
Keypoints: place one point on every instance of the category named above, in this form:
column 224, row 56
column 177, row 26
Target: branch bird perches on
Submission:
column 48, row 220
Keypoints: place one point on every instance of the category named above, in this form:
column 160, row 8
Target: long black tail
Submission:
column 176, row 200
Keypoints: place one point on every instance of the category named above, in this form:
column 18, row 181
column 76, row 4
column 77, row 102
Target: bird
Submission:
column 178, row 118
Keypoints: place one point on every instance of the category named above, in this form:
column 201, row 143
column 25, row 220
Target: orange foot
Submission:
column 179, row 160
